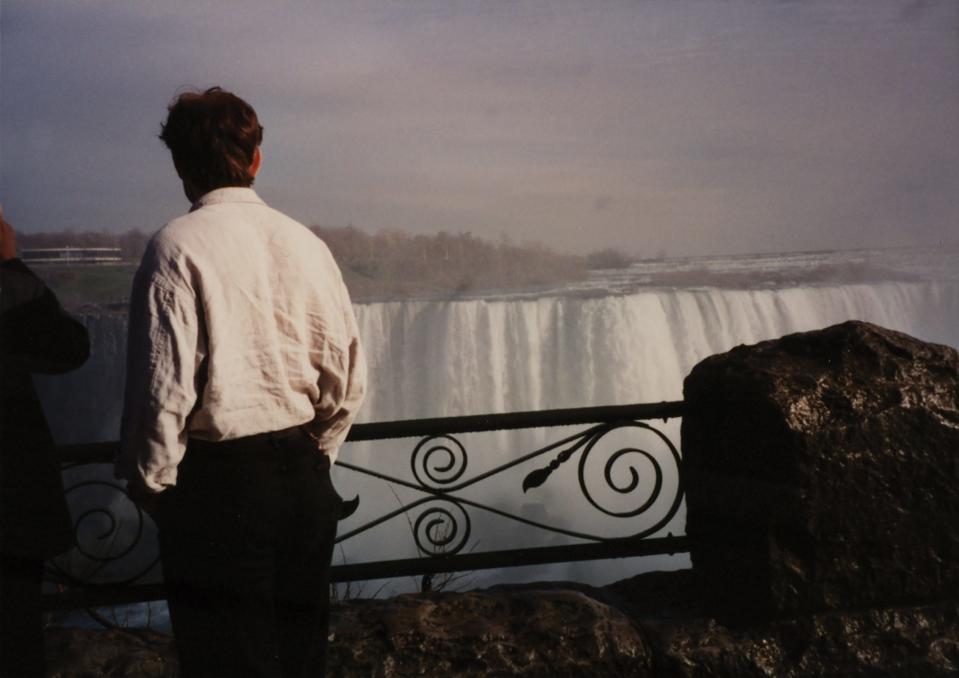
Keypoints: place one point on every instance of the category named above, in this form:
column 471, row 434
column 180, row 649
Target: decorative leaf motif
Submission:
column 536, row 478
column 348, row 507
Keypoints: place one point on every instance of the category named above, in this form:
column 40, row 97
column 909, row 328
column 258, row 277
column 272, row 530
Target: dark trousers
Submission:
column 21, row 620
column 246, row 539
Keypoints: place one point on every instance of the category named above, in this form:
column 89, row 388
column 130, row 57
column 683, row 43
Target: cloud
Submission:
column 691, row 126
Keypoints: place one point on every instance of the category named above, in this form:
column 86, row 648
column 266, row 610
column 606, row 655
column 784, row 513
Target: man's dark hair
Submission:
column 213, row 136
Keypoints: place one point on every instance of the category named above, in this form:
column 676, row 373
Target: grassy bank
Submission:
column 75, row 285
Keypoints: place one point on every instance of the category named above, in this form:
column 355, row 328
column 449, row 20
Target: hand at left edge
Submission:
column 8, row 239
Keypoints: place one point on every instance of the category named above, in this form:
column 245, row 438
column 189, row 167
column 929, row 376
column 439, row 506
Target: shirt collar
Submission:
column 228, row 194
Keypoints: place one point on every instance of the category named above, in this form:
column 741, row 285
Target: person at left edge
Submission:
column 36, row 337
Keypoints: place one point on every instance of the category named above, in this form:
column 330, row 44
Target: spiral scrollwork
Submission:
column 440, row 459
column 439, row 531
column 112, row 537
column 638, row 463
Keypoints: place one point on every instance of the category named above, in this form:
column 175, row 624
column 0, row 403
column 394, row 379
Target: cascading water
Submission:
column 606, row 343
column 463, row 357
column 444, row 358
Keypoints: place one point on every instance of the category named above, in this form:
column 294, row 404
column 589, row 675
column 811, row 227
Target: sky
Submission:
column 677, row 127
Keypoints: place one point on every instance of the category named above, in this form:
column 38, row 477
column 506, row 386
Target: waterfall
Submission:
column 444, row 358
column 466, row 357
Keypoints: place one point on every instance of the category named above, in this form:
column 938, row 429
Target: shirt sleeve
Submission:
column 341, row 390
column 160, row 388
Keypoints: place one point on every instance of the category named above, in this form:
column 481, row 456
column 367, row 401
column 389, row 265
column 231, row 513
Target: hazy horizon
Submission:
column 678, row 128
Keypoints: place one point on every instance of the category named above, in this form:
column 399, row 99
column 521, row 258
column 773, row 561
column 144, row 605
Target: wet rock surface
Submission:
column 88, row 653
column 823, row 472
column 551, row 630
column 903, row 641
column 506, row 633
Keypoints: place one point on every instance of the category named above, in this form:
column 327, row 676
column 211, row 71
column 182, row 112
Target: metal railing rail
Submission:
column 442, row 529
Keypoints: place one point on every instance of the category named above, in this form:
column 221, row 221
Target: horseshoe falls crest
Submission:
column 477, row 356
column 624, row 336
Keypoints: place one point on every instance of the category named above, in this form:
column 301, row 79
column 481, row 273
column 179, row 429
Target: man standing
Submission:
column 244, row 374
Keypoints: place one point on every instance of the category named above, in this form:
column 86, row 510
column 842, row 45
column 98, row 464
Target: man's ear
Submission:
column 255, row 165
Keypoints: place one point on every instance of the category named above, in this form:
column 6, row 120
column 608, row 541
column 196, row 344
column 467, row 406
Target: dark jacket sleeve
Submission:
column 35, row 332
column 36, row 335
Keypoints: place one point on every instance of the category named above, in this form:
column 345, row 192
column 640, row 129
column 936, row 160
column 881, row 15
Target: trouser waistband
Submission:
column 250, row 444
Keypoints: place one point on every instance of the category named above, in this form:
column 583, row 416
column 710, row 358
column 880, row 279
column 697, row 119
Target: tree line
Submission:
column 398, row 264
column 394, row 264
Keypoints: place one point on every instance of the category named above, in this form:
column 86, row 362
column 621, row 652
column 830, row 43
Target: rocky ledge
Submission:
column 650, row 625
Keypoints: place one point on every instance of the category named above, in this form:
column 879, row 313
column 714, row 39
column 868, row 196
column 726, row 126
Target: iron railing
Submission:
column 440, row 515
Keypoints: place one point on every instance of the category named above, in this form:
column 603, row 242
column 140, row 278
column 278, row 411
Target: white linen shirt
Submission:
column 239, row 324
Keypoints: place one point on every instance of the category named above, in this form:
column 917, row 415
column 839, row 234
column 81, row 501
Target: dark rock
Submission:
column 823, row 472
column 557, row 632
column 888, row 642
column 502, row 633
column 87, row 653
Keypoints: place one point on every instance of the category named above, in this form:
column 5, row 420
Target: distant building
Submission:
column 71, row 255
